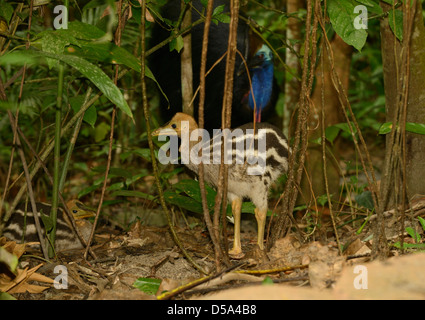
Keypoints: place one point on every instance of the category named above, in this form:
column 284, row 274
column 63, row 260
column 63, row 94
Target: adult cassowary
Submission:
column 166, row 68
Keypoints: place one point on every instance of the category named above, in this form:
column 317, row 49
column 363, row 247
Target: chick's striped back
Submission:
column 21, row 226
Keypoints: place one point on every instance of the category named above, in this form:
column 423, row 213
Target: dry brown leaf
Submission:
column 15, row 248
column 149, row 17
column 20, row 283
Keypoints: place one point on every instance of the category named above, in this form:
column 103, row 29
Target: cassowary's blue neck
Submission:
column 262, row 86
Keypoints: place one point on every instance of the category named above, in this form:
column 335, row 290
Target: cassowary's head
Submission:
column 261, row 69
column 263, row 57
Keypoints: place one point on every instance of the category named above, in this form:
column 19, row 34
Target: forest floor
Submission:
column 149, row 252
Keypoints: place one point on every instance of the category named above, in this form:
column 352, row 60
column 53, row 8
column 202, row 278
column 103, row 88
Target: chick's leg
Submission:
column 260, row 215
column 236, row 251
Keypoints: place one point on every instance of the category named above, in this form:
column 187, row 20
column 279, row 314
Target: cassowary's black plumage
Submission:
column 166, row 68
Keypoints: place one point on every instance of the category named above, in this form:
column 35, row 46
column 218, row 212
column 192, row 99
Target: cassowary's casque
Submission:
column 21, row 225
column 247, row 178
column 165, row 66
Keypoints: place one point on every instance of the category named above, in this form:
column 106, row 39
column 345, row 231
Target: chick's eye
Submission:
column 173, row 126
column 261, row 56
column 74, row 211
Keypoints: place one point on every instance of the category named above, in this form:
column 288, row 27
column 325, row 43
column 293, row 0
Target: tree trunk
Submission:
column 292, row 85
column 342, row 53
column 391, row 60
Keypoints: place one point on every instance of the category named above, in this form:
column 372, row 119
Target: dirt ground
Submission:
column 290, row 270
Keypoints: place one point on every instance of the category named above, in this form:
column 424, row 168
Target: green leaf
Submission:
column 193, row 190
column 409, row 245
column 84, row 31
column 136, row 177
column 395, row 19
column 101, row 130
column 54, row 42
column 365, row 200
column 145, row 153
column 90, row 116
column 114, row 172
column 132, row 193
column 92, row 72
column 176, row 44
column 88, row 190
column 412, row 127
column 6, row 10
column 183, row 201
column 47, row 222
column 385, row 128
column 267, row 281
column 5, row 295
column 415, row 236
column 219, row 16
column 331, row 133
column 422, row 222
column 372, row 6
column 8, row 259
column 342, row 16
column 147, row 285
column 107, row 52
column 345, row 127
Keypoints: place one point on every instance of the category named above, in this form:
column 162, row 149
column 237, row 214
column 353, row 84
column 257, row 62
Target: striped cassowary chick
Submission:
column 257, row 160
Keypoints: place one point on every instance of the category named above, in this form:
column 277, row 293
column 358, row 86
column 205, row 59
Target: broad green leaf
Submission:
column 147, row 285
column 345, row 127
column 54, row 41
column 395, row 19
column 88, row 190
column 106, row 52
column 342, row 16
column 5, row 295
column 132, row 193
column 176, row 44
column 267, row 281
column 114, row 172
column 419, row 246
column 8, row 259
column 219, row 16
column 101, row 130
column 90, row 116
column 84, row 31
column 412, row 127
column 145, row 153
column 89, row 70
column 422, row 222
column 136, row 177
column 183, row 201
column 331, row 133
column 6, row 10
column 385, row 128
column 365, row 200
column 47, row 222
column 193, row 190
column 415, row 236
column 372, row 6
